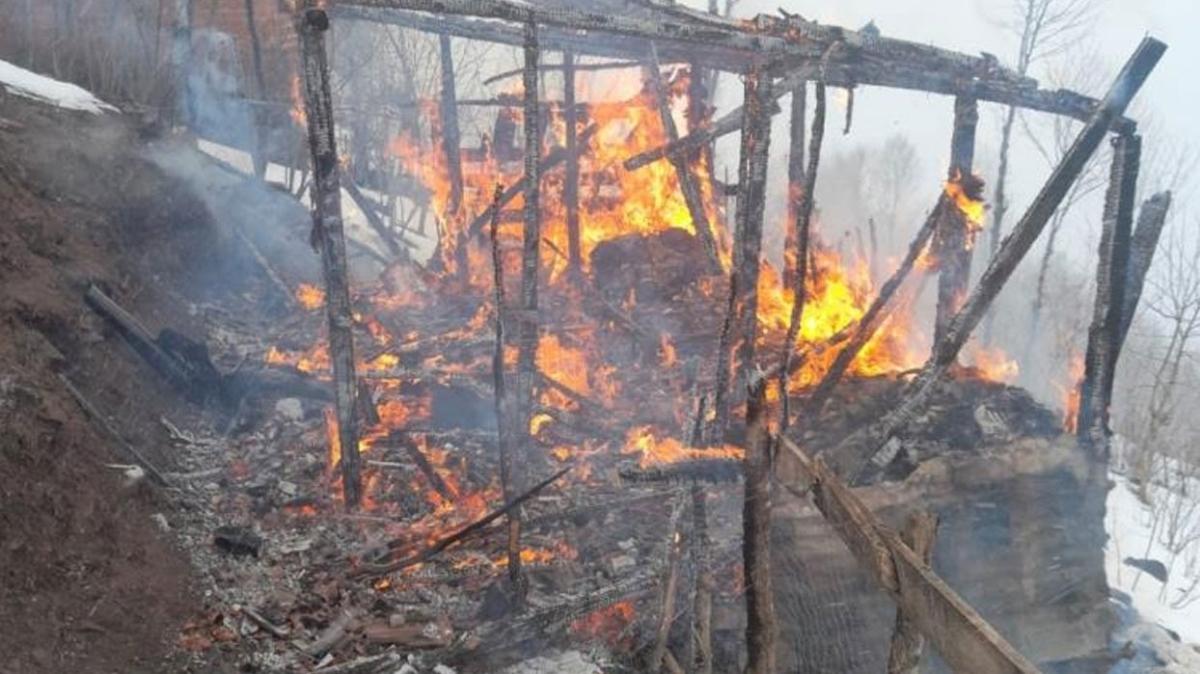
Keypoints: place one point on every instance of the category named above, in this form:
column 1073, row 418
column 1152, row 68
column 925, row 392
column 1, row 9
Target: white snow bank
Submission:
column 29, row 84
column 1140, row 531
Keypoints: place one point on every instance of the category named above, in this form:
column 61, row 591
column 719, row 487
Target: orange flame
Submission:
column 1070, row 393
column 654, row 451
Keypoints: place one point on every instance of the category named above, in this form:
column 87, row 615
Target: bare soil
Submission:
column 88, row 581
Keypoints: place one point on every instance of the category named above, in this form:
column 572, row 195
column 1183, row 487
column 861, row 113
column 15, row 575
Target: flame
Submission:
column 654, row 451
column 297, row 112
column 608, row 624
column 668, row 357
column 310, row 297
column 1070, row 393
column 993, row 364
column 965, row 192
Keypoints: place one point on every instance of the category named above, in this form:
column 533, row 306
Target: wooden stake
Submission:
column 761, row 627
column 855, row 455
column 752, row 192
column 571, row 184
column 1112, row 268
column 329, row 238
column 666, row 613
column 953, row 242
column 260, row 157
column 802, row 206
column 450, row 132
column 904, row 655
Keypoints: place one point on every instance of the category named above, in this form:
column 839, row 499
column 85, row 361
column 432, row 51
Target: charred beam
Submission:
column 571, row 183
column 1112, row 268
column 449, row 122
column 762, row 629
column 1151, row 220
column 460, row 535
column 953, row 243
column 330, row 240
column 714, row 471
column 670, row 584
column 527, row 335
column 802, row 203
column 854, row 456
column 751, row 203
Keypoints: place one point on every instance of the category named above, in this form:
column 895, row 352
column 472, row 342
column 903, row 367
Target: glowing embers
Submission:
column 1070, row 393
column 966, row 193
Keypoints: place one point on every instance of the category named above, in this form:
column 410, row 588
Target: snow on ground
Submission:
column 1168, row 533
column 29, row 84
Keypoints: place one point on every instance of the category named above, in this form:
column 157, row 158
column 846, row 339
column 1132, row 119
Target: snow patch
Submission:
column 29, row 84
column 1167, row 532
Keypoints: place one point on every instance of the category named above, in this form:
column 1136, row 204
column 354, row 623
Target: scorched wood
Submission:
column 571, row 184
column 904, row 654
column 330, row 240
column 802, row 197
column 853, row 457
column 762, row 629
column 1151, row 220
column 1112, row 267
column 953, row 243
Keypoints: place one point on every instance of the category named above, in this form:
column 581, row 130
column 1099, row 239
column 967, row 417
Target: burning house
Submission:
column 528, row 393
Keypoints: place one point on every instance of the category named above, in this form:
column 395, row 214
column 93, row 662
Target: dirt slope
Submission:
column 88, row 582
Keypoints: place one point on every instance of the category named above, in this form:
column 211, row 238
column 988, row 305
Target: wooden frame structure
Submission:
column 778, row 56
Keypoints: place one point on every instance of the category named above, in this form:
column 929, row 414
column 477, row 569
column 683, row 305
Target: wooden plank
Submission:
column 967, row 642
column 1151, row 220
column 904, row 653
column 762, row 626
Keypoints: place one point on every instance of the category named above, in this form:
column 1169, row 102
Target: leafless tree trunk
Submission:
column 1045, row 27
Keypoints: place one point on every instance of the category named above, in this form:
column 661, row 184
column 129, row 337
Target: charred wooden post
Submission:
column 688, row 184
column 875, row 315
column 527, row 338
column 571, row 182
column 904, row 655
column 451, row 139
column 329, row 238
column 752, row 195
column 1112, row 268
column 854, row 455
column 670, row 582
column 796, row 167
column 702, row 651
column 802, row 205
column 954, row 244
column 259, row 158
column 761, row 627
column 959, row 634
column 1151, row 220
column 715, row 433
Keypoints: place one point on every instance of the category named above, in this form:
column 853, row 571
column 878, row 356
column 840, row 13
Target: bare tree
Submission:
column 1045, row 28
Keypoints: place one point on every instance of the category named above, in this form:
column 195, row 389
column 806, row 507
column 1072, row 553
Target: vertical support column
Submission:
column 954, row 244
column 260, row 79
column 752, row 188
column 1112, row 268
column 329, row 238
column 451, row 139
column 571, row 186
column 798, row 121
column 527, row 338
column 904, row 655
column 181, row 58
column 762, row 629
column 1150, row 223
column 688, row 184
